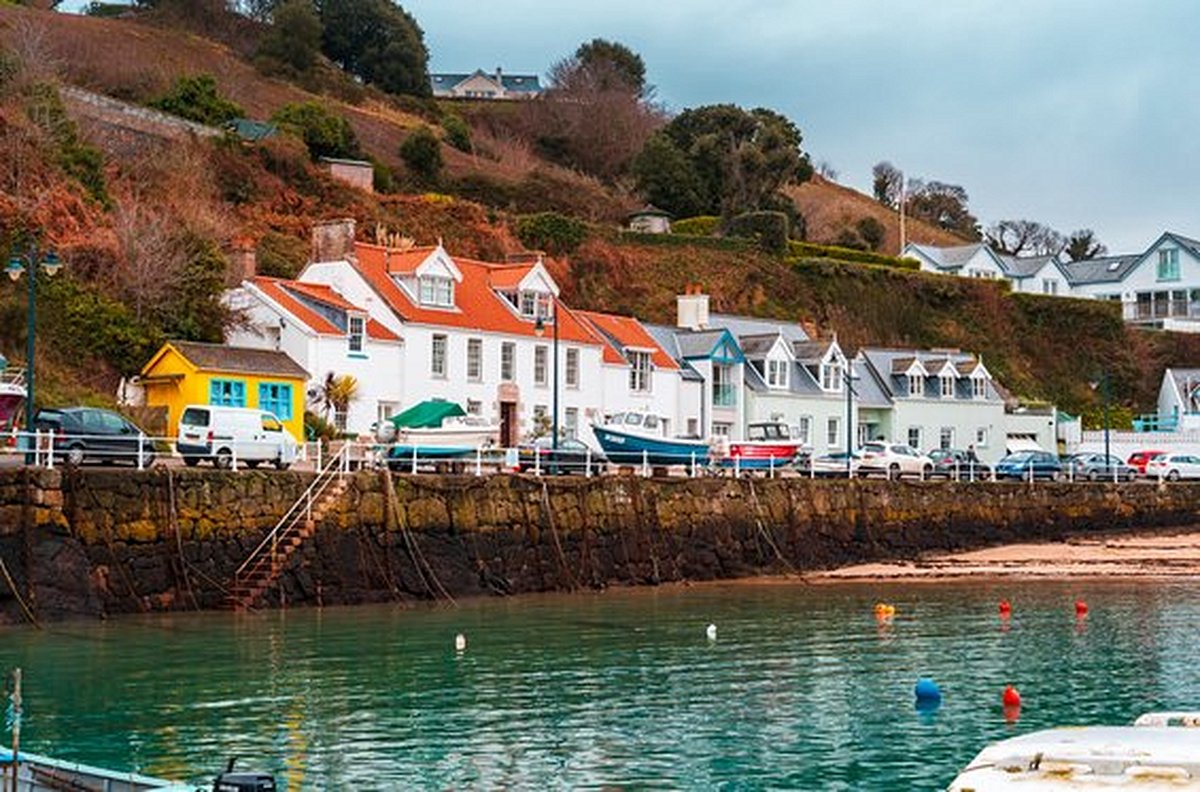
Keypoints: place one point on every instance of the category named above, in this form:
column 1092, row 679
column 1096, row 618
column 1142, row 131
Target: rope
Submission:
column 174, row 519
column 562, row 558
column 766, row 534
column 414, row 549
column 13, row 587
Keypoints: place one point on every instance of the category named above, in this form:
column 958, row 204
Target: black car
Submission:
column 94, row 435
column 954, row 463
column 571, row 456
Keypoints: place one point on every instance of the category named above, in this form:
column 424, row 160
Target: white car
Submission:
column 1174, row 467
column 894, row 460
column 234, row 435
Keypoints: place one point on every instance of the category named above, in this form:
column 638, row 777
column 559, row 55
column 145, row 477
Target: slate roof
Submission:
column 810, row 352
column 757, row 346
column 1109, row 269
column 1026, row 266
column 239, row 360
column 949, row 257
column 885, row 366
column 516, row 83
column 317, row 306
column 750, row 325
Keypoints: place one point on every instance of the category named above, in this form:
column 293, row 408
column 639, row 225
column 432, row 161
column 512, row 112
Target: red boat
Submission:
column 768, row 445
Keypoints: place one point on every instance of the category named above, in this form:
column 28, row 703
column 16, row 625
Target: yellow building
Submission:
column 187, row 372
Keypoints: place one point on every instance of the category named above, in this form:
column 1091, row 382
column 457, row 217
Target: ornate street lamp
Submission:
column 539, row 328
column 29, row 263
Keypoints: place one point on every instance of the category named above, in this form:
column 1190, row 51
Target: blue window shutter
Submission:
column 214, row 392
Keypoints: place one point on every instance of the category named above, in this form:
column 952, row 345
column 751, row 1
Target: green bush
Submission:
column 78, row 160
column 196, row 98
column 871, row 231
column 701, row 225
column 382, row 179
column 552, row 232
column 458, row 133
column 811, row 250
column 850, row 240
column 684, row 240
column 326, row 134
column 80, row 318
column 280, row 255
column 770, row 229
column 422, row 153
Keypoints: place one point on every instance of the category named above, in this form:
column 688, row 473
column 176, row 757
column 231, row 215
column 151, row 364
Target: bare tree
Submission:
column 888, row 184
column 1024, row 237
column 1083, row 245
column 827, row 170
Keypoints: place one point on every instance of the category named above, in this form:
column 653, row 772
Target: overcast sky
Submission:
column 1076, row 113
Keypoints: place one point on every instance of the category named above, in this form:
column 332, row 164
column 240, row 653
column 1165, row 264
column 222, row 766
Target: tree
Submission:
column 666, row 178
column 422, row 153
column 871, row 231
column 325, row 133
column 295, row 36
column 616, row 65
column 378, row 42
column 1028, row 237
column 335, row 395
column 196, row 98
column 888, row 183
column 943, row 205
column 1083, row 245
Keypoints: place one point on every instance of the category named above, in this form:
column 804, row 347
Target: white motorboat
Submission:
column 437, row 429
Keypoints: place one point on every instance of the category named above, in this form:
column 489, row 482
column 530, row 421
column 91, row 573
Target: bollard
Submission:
column 737, row 467
column 414, row 460
column 645, row 463
column 957, row 478
column 478, row 461
column 693, row 464
column 140, row 459
column 587, row 461
column 771, row 466
column 50, row 451
column 233, row 457
column 537, row 460
column 318, row 455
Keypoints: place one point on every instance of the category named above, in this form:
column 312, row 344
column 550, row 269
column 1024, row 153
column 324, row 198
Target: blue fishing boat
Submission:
column 635, row 438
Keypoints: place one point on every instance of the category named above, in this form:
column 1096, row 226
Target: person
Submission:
column 972, row 460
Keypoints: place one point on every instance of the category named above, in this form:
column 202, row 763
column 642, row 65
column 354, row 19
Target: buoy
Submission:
column 927, row 690
column 1081, row 608
column 1011, row 697
column 711, row 632
column 460, row 643
column 1005, row 607
column 884, row 609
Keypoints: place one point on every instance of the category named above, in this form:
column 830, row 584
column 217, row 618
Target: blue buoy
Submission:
column 927, row 690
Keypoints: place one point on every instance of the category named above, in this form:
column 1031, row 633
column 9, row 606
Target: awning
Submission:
column 427, row 414
column 1022, row 442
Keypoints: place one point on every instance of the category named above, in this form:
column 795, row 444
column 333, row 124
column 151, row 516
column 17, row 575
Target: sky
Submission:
column 1074, row 113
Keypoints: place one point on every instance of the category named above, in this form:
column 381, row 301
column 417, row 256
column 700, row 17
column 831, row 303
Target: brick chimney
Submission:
column 691, row 309
column 242, row 262
column 333, row 240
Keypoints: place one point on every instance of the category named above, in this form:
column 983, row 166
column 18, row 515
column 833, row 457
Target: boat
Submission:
column 768, row 445
column 636, row 438
column 12, row 393
column 436, row 429
column 1161, row 751
column 37, row 773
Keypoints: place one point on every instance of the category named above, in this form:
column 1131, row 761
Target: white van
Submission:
column 224, row 434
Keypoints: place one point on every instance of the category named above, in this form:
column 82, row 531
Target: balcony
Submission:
column 1157, row 310
column 724, row 395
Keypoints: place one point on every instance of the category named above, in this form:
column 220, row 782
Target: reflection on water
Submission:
column 803, row 687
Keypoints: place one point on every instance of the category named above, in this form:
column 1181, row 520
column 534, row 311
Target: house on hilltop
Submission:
column 482, row 85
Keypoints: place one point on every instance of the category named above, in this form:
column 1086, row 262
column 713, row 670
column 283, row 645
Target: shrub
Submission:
column 770, row 229
column 458, row 133
column 422, row 153
column 552, row 232
column 701, row 225
column 848, row 239
column 382, row 179
column 280, row 255
column 872, row 232
column 78, row 160
column 196, row 98
column 810, row 250
column 325, row 133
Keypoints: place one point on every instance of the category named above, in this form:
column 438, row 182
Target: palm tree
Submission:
column 335, row 394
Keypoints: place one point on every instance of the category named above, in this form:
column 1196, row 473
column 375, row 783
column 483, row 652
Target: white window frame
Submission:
column 572, row 367
column 541, row 365
column 916, row 385
column 722, row 429
column 777, row 374
column 831, row 377
column 571, row 422
column 533, row 304
column 946, row 437
column 833, row 432
column 439, row 353
column 1168, row 264
column 804, row 424
column 981, row 437
column 979, row 387
column 917, row 433
column 436, row 290
column 508, row 361
column 947, row 387
column 640, row 369
column 356, row 332
column 474, row 359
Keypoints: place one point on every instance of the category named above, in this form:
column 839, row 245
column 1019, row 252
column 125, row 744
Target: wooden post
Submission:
column 16, row 725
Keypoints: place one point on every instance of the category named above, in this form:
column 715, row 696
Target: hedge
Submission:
column 703, row 225
column 811, row 250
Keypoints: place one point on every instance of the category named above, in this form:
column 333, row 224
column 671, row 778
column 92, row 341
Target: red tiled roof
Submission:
column 628, row 332
column 478, row 305
column 400, row 262
column 509, row 276
column 281, row 291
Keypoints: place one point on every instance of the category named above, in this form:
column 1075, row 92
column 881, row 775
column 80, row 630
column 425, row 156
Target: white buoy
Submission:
column 460, row 643
column 711, row 632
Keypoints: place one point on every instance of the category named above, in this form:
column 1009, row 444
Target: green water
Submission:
column 802, row 689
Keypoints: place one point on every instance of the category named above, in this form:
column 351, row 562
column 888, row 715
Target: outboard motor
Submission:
column 230, row 781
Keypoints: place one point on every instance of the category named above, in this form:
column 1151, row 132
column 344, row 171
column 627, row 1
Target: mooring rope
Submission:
column 766, row 534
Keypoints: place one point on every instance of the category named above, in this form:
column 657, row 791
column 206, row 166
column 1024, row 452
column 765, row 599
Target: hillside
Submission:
column 149, row 265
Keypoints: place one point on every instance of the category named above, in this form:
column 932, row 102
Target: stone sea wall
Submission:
column 95, row 542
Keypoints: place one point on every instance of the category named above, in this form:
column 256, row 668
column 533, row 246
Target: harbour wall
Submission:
column 88, row 543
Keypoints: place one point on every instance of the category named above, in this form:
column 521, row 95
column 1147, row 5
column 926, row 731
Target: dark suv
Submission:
column 91, row 434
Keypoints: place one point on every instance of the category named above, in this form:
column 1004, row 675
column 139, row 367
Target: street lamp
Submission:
column 29, row 263
column 539, row 328
column 848, row 382
column 1103, row 383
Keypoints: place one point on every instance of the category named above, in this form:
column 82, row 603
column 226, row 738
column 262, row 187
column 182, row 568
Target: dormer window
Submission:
column 533, row 304
column 355, row 328
column 831, row 376
column 437, row 291
column 777, row 374
column 916, row 385
column 979, row 387
column 947, row 386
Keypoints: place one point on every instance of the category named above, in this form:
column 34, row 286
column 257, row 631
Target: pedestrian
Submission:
column 972, row 460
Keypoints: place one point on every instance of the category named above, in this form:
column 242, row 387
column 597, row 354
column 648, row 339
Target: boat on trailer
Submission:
column 768, row 445
column 435, row 430
column 637, row 438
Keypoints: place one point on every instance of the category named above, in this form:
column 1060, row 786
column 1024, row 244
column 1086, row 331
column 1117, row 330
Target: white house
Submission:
column 1179, row 401
column 482, row 85
column 1031, row 274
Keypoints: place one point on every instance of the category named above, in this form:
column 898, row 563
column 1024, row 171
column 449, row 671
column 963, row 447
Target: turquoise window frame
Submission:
column 227, row 392
column 1168, row 264
column 276, row 398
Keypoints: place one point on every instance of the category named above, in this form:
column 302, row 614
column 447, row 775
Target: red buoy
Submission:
column 1005, row 607
column 1011, row 697
column 1081, row 608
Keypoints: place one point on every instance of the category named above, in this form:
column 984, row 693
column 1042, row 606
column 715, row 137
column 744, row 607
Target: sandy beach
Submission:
column 1167, row 555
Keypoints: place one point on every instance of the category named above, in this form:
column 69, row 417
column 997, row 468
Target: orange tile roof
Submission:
column 478, row 305
column 628, row 332
column 281, row 291
column 400, row 262
column 508, row 276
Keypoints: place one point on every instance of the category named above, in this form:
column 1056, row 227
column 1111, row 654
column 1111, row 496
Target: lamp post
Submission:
column 848, row 382
column 29, row 263
column 1103, row 383
column 539, row 328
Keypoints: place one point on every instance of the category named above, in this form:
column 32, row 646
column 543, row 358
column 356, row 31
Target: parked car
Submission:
column 223, row 434
column 1174, row 466
column 894, row 460
column 953, row 463
column 1097, row 467
column 571, row 456
column 1138, row 459
column 1025, row 464
column 828, row 465
column 90, row 434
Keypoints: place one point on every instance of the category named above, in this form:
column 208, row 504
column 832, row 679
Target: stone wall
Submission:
column 94, row 542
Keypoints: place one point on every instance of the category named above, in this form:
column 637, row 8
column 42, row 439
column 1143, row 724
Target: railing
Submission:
column 1160, row 309
column 1153, row 422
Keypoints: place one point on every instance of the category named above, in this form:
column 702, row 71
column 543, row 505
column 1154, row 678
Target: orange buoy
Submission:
column 1081, row 608
column 1005, row 607
column 1010, row 697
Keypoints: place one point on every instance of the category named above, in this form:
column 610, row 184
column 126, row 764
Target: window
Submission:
column 805, row 426
column 914, row 436
column 437, row 290
column 832, row 432
column 916, row 385
column 276, row 397
column 1168, row 264
column 571, row 422
column 534, row 304
column 384, row 410
column 979, row 387
column 1049, row 286
column 227, row 393
column 270, row 423
column 981, row 436
column 540, row 355
column 437, row 357
column 475, row 359
column 339, row 419
column 639, row 372
column 777, row 373
column 863, row 431
column 474, row 407
column 572, row 367
column 947, row 387
column 831, row 376
column 946, row 437
column 724, row 392
column 693, row 427
column 355, row 325
column 508, row 361
column 722, row 429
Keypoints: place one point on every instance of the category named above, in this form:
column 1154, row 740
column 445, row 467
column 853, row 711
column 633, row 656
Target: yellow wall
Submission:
column 193, row 388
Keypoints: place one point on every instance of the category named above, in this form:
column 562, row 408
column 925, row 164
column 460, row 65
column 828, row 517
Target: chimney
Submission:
column 691, row 309
column 333, row 240
column 242, row 263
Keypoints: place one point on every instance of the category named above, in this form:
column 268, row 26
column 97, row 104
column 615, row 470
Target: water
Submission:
column 802, row 689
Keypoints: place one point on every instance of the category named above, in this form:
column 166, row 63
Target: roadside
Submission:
column 1164, row 555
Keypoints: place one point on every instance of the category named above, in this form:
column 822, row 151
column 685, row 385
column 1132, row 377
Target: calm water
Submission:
column 801, row 690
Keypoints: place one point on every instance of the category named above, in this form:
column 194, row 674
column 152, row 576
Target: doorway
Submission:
column 508, row 424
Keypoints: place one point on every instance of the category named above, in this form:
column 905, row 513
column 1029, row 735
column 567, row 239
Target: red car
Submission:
column 1138, row 459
